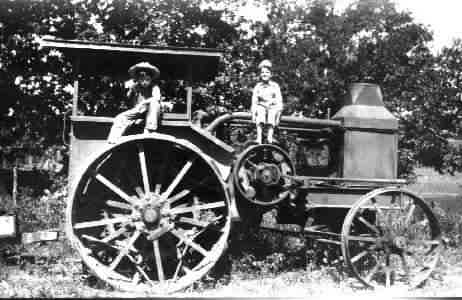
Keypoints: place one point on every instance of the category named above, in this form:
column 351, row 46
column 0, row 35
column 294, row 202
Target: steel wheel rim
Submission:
column 402, row 254
column 186, row 222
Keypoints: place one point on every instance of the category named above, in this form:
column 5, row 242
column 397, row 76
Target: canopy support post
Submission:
column 189, row 92
column 75, row 97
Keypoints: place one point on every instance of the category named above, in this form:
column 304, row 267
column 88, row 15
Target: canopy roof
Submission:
column 198, row 64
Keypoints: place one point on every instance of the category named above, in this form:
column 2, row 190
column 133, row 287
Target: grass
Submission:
column 430, row 181
column 63, row 277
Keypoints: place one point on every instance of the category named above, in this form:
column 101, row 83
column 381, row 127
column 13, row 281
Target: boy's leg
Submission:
column 273, row 121
column 270, row 133
column 152, row 117
column 259, row 133
column 120, row 124
column 260, row 120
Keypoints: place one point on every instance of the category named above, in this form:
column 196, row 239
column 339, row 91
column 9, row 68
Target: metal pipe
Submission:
column 366, row 180
column 245, row 123
column 285, row 120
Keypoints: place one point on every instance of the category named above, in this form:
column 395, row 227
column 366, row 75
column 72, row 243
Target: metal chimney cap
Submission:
column 364, row 108
column 362, row 93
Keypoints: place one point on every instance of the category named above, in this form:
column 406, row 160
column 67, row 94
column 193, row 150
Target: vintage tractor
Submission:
column 153, row 212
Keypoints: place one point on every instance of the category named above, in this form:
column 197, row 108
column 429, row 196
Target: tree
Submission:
column 35, row 83
column 317, row 53
column 320, row 52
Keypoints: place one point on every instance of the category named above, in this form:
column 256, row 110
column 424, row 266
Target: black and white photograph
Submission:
column 226, row 149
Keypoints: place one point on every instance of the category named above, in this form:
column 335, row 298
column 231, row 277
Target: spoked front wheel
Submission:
column 390, row 237
column 150, row 215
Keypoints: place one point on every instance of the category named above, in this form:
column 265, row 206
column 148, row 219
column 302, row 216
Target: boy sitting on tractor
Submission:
column 266, row 102
column 145, row 96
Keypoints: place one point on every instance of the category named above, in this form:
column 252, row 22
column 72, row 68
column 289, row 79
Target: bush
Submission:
column 40, row 210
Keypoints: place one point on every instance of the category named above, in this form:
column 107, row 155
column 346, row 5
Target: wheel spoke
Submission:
column 379, row 213
column 114, row 188
column 252, row 156
column 144, row 169
column 180, row 261
column 362, row 239
column 93, row 239
column 156, row 234
column 177, row 179
column 102, row 222
column 371, row 274
column 251, row 163
column 157, row 188
column 115, row 234
column 123, row 252
column 143, row 273
column 194, row 222
column 432, row 242
column 423, row 244
column 111, row 227
column 421, row 261
column 195, row 212
column 182, row 210
column 387, row 276
column 359, row 256
column 118, row 204
column 160, row 269
column 205, row 225
column 190, row 243
column 186, row 270
column 178, row 196
column 139, row 191
column 405, row 265
column 96, row 240
column 369, row 225
column 134, row 182
column 140, row 271
column 136, row 277
column 408, row 220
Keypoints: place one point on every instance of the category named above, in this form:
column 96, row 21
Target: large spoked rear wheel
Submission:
column 391, row 238
column 150, row 215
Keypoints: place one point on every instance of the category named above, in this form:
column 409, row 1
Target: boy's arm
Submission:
column 278, row 98
column 253, row 105
column 155, row 96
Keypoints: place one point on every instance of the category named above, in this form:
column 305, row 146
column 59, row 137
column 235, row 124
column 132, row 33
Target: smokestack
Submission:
column 370, row 141
column 365, row 100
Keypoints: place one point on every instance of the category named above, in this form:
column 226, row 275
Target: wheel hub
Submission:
column 400, row 242
column 268, row 174
column 151, row 215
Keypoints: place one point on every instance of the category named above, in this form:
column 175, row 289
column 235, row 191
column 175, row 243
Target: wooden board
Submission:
column 39, row 236
column 7, row 226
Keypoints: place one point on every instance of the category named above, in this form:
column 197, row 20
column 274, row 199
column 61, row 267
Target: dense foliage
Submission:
column 317, row 52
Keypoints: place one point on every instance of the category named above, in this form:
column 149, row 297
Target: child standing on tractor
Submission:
column 266, row 103
column 145, row 96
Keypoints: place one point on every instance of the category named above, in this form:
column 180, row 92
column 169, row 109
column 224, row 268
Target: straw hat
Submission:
column 144, row 66
column 265, row 64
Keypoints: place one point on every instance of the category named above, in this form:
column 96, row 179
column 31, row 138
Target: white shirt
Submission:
column 267, row 95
